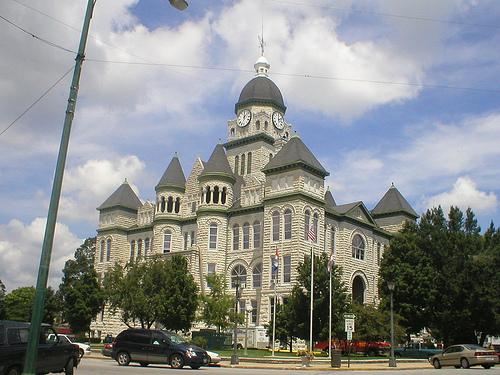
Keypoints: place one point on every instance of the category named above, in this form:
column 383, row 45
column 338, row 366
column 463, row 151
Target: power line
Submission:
column 40, row 98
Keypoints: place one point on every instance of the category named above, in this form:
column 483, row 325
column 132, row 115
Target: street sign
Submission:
column 349, row 325
column 349, row 335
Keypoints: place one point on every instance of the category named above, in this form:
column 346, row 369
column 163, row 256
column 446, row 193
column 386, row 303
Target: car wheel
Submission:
column 80, row 353
column 14, row 371
column 326, row 349
column 70, row 367
column 464, row 363
column 176, row 361
column 123, row 358
column 372, row 353
column 436, row 363
column 195, row 367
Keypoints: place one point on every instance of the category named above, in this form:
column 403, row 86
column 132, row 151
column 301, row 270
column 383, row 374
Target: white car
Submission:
column 84, row 349
column 214, row 358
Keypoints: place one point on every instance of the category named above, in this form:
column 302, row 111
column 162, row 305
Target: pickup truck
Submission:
column 416, row 350
column 54, row 355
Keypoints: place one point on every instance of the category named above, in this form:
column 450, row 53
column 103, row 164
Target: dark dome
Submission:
column 261, row 90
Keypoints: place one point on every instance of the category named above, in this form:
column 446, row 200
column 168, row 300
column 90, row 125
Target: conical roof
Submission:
column 218, row 165
column 393, row 201
column 173, row 176
column 295, row 152
column 124, row 196
column 329, row 201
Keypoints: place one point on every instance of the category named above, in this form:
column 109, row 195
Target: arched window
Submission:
column 103, row 249
column 276, row 226
column 257, row 276
column 139, row 248
column 132, row 250
column 167, row 241
column 223, row 195
column 236, row 237
column 287, row 218
column 307, row 223
column 147, row 243
column 358, row 247
column 238, row 272
column 177, row 205
column 212, row 244
column 246, row 236
column 170, row 204
column 358, row 290
column 215, row 198
column 108, row 250
column 256, row 235
column 162, row 205
column 236, row 164
column 242, row 164
column 207, row 194
column 249, row 163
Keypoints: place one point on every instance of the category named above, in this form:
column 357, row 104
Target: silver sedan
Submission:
column 465, row 355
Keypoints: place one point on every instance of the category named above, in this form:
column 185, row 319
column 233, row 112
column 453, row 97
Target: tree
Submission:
column 18, row 305
column 2, row 298
column 155, row 290
column 373, row 324
column 80, row 291
column 443, row 273
column 293, row 320
column 216, row 306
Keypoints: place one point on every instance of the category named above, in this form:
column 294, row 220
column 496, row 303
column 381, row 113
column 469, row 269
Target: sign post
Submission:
column 349, row 320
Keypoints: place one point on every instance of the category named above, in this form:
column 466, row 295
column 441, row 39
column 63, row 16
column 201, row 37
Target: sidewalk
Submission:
column 287, row 363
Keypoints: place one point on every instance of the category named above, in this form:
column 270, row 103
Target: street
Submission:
column 105, row 367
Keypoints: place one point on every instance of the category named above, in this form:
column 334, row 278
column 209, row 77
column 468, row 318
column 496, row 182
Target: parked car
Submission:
column 416, row 350
column 84, row 349
column 107, row 349
column 465, row 355
column 147, row 346
column 214, row 358
column 54, row 355
column 369, row 348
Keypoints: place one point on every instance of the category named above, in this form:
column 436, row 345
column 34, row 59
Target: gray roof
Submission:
column 123, row 196
column 174, row 175
column 329, row 201
column 393, row 201
column 260, row 90
column 218, row 163
column 296, row 152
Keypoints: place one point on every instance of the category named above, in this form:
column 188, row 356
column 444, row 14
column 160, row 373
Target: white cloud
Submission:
column 20, row 251
column 464, row 194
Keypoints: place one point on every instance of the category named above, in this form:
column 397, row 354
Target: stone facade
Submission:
column 258, row 195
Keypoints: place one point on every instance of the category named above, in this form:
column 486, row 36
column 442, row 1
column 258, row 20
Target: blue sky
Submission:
column 381, row 91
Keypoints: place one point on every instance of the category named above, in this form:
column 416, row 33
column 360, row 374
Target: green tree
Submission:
column 80, row 291
column 443, row 273
column 293, row 320
column 2, row 298
column 216, row 306
column 155, row 290
column 374, row 324
column 18, row 305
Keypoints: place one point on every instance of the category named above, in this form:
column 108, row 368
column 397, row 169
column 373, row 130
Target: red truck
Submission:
column 369, row 348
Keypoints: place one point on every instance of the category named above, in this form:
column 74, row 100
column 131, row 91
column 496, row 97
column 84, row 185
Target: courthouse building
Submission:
column 258, row 195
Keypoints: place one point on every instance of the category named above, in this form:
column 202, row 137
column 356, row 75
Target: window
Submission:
column 287, row 268
column 239, row 272
column 213, row 237
column 358, row 247
column 139, row 248
column 254, row 311
column 257, row 276
column 249, row 163
column 103, row 249
column 246, row 236
column 242, row 169
column 108, row 250
column 193, row 238
column 276, row 226
column 210, row 271
column 288, row 224
column 256, row 235
column 146, row 246
column 307, row 223
column 185, row 240
column 167, row 241
column 236, row 162
column 132, row 250
column 236, row 237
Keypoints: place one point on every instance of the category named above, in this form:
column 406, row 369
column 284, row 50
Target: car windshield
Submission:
column 175, row 338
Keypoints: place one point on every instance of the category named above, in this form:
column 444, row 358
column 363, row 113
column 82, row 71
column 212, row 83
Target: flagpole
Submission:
column 330, row 266
column 312, row 300
column 274, row 319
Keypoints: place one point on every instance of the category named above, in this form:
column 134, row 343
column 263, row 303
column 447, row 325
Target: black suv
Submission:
column 154, row 346
column 53, row 355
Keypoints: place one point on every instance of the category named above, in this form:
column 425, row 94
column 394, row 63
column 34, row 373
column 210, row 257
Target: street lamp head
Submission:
column 391, row 285
column 179, row 4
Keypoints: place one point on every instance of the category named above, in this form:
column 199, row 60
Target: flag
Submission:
column 276, row 260
column 330, row 263
column 311, row 234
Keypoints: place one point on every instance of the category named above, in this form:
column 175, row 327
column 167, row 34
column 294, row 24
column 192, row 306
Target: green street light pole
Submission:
column 43, row 271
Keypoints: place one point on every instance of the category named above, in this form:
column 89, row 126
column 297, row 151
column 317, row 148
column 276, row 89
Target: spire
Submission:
column 218, row 165
column 124, row 196
column 173, row 176
column 329, row 201
column 392, row 202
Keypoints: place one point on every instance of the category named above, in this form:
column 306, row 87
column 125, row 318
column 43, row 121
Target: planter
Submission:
column 306, row 361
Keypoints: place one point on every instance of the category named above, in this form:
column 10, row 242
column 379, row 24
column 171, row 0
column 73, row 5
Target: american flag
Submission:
column 276, row 260
column 311, row 234
column 330, row 263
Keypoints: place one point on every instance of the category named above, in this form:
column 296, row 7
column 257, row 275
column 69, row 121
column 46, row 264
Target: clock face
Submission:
column 278, row 120
column 244, row 118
